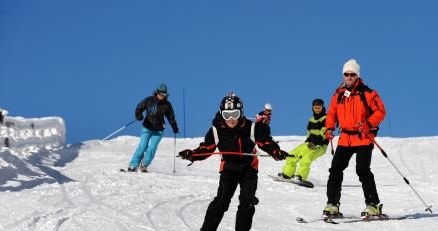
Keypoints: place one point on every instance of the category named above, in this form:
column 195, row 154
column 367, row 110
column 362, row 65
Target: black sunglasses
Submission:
column 350, row 74
column 162, row 93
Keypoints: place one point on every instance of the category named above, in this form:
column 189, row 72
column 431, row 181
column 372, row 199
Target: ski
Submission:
column 381, row 217
column 349, row 219
column 126, row 171
column 303, row 220
column 328, row 219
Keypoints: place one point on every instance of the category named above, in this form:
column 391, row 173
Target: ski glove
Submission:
column 363, row 127
column 311, row 146
column 139, row 117
column 175, row 130
column 185, row 154
column 279, row 154
column 329, row 134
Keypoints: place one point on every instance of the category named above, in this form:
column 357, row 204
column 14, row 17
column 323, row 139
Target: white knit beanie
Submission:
column 353, row 66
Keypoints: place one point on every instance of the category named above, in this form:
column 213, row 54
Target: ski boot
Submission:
column 280, row 174
column 143, row 168
column 132, row 169
column 372, row 210
column 297, row 178
column 331, row 211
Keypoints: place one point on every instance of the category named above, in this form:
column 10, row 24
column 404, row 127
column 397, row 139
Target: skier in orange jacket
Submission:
column 358, row 111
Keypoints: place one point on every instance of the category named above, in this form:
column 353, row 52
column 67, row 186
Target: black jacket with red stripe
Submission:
column 238, row 140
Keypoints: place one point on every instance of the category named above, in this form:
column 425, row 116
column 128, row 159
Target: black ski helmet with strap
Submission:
column 231, row 102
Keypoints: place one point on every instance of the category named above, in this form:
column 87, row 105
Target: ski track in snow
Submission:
column 186, row 206
column 177, row 206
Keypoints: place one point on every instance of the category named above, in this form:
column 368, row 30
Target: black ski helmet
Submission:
column 231, row 102
column 318, row 102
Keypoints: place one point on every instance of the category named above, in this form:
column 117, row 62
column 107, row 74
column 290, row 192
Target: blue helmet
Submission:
column 162, row 89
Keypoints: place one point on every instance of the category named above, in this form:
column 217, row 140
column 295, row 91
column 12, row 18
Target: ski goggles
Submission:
column 230, row 114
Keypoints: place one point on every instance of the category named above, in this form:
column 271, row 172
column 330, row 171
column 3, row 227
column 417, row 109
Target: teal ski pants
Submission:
column 145, row 152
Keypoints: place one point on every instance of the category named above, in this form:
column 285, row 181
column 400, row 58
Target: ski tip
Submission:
column 301, row 220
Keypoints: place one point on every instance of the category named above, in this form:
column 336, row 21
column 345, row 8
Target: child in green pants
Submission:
column 298, row 165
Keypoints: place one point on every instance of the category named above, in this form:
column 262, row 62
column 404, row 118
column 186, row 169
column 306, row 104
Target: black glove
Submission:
column 329, row 134
column 311, row 146
column 139, row 117
column 280, row 154
column 185, row 154
column 175, row 130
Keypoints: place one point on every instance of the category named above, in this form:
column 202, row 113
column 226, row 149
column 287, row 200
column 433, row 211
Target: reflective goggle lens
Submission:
column 231, row 114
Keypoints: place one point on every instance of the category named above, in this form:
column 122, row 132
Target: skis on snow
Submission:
column 125, row 170
column 349, row 219
column 325, row 218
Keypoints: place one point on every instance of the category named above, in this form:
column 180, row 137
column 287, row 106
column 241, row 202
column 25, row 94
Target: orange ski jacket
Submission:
column 347, row 109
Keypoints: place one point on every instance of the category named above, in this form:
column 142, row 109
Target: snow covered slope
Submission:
column 79, row 187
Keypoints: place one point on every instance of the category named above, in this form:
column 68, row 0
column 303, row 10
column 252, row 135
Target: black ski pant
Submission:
column 340, row 163
column 227, row 186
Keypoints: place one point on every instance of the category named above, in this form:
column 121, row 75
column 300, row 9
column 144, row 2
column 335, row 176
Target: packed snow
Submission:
column 79, row 187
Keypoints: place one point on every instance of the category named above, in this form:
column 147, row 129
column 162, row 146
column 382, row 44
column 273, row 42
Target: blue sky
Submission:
column 91, row 62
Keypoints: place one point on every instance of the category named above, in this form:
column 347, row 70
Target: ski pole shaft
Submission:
column 223, row 153
column 230, row 153
column 174, row 152
column 234, row 153
column 118, row 130
column 267, row 155
column 331, row 145
column 226, row 153
column 428, row 207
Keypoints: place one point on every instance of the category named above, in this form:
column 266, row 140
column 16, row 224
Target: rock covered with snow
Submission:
column 20, row 133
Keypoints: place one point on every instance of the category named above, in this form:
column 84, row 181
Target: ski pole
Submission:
column 234, row 153
column 174, row 152
column 118, row 130
column 230, row 153
column 428, row 207
column 226, row 153
column 223, row 153
column 331, row 144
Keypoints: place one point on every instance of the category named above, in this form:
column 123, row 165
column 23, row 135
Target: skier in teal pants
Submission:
column 156, row 107
column 298, row 165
